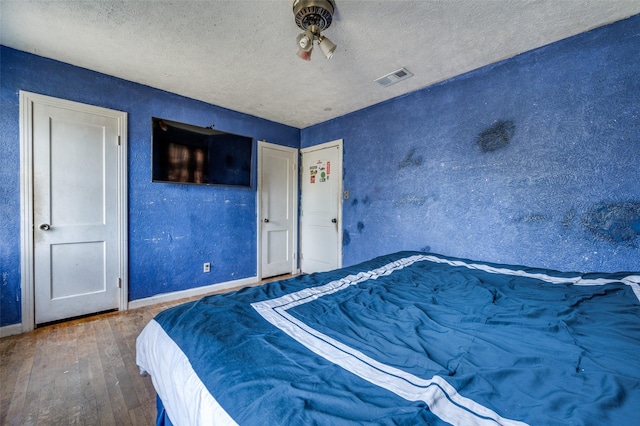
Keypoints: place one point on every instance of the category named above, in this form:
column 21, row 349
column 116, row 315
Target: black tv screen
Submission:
column 183, row 153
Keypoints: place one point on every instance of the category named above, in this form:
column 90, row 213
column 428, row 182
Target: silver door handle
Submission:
column 45, row 226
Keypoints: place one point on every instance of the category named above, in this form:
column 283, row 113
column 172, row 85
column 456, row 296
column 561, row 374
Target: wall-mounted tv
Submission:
column 183, row 153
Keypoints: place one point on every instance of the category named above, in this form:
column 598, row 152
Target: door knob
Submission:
column 334, row 220
column 266, row 220
column 45, row 227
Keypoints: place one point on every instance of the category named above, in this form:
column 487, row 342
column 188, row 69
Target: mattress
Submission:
column 403, row 339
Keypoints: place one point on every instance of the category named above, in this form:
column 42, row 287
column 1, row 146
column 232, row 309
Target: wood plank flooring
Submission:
column 80, row 372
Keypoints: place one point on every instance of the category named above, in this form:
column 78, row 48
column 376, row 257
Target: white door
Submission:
column 321, row 211
column 76, row 222
column 278, row 207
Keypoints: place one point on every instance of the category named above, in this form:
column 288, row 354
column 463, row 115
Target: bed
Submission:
column 403, row 339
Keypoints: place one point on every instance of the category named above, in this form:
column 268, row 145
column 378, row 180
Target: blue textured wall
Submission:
column 173, row 228
column 534, row 160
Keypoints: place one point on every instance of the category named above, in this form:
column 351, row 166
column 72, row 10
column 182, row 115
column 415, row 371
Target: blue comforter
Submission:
column 415, row 338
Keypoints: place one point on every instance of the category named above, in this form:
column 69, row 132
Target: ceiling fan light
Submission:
column 305, row 44
column 327, row 47
column 305, row 54
column 305, row 40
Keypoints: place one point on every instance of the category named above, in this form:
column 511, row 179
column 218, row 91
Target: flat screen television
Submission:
column 183, row 153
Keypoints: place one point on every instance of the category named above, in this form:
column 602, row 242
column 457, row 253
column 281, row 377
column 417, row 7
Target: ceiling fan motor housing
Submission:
column 313, row 12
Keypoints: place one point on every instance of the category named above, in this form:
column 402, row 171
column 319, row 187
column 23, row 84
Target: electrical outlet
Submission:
column 206, row 267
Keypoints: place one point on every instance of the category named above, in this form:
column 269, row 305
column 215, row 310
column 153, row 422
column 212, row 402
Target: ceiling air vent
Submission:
column 394, row 77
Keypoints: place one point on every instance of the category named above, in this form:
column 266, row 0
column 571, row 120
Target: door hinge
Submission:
column 119, row 282
column 119, row 140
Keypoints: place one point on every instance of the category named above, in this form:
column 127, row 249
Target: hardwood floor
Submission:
column 80, row 372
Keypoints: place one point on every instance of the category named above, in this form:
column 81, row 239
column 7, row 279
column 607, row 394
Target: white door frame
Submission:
column 338, row 143
column 295, row 269
column 27, row 100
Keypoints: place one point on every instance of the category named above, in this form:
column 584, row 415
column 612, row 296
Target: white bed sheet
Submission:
column 189, row 405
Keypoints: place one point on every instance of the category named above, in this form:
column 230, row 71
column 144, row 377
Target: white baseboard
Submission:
column 13, row 329
column 198, row 291
column 10, row 330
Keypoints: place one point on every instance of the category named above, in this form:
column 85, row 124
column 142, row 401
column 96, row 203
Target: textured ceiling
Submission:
column 241, row 54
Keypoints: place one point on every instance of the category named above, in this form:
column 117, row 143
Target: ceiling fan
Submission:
column 313, row 16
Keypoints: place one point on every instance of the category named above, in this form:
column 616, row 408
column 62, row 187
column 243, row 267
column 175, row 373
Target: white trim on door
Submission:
column 27, row 100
